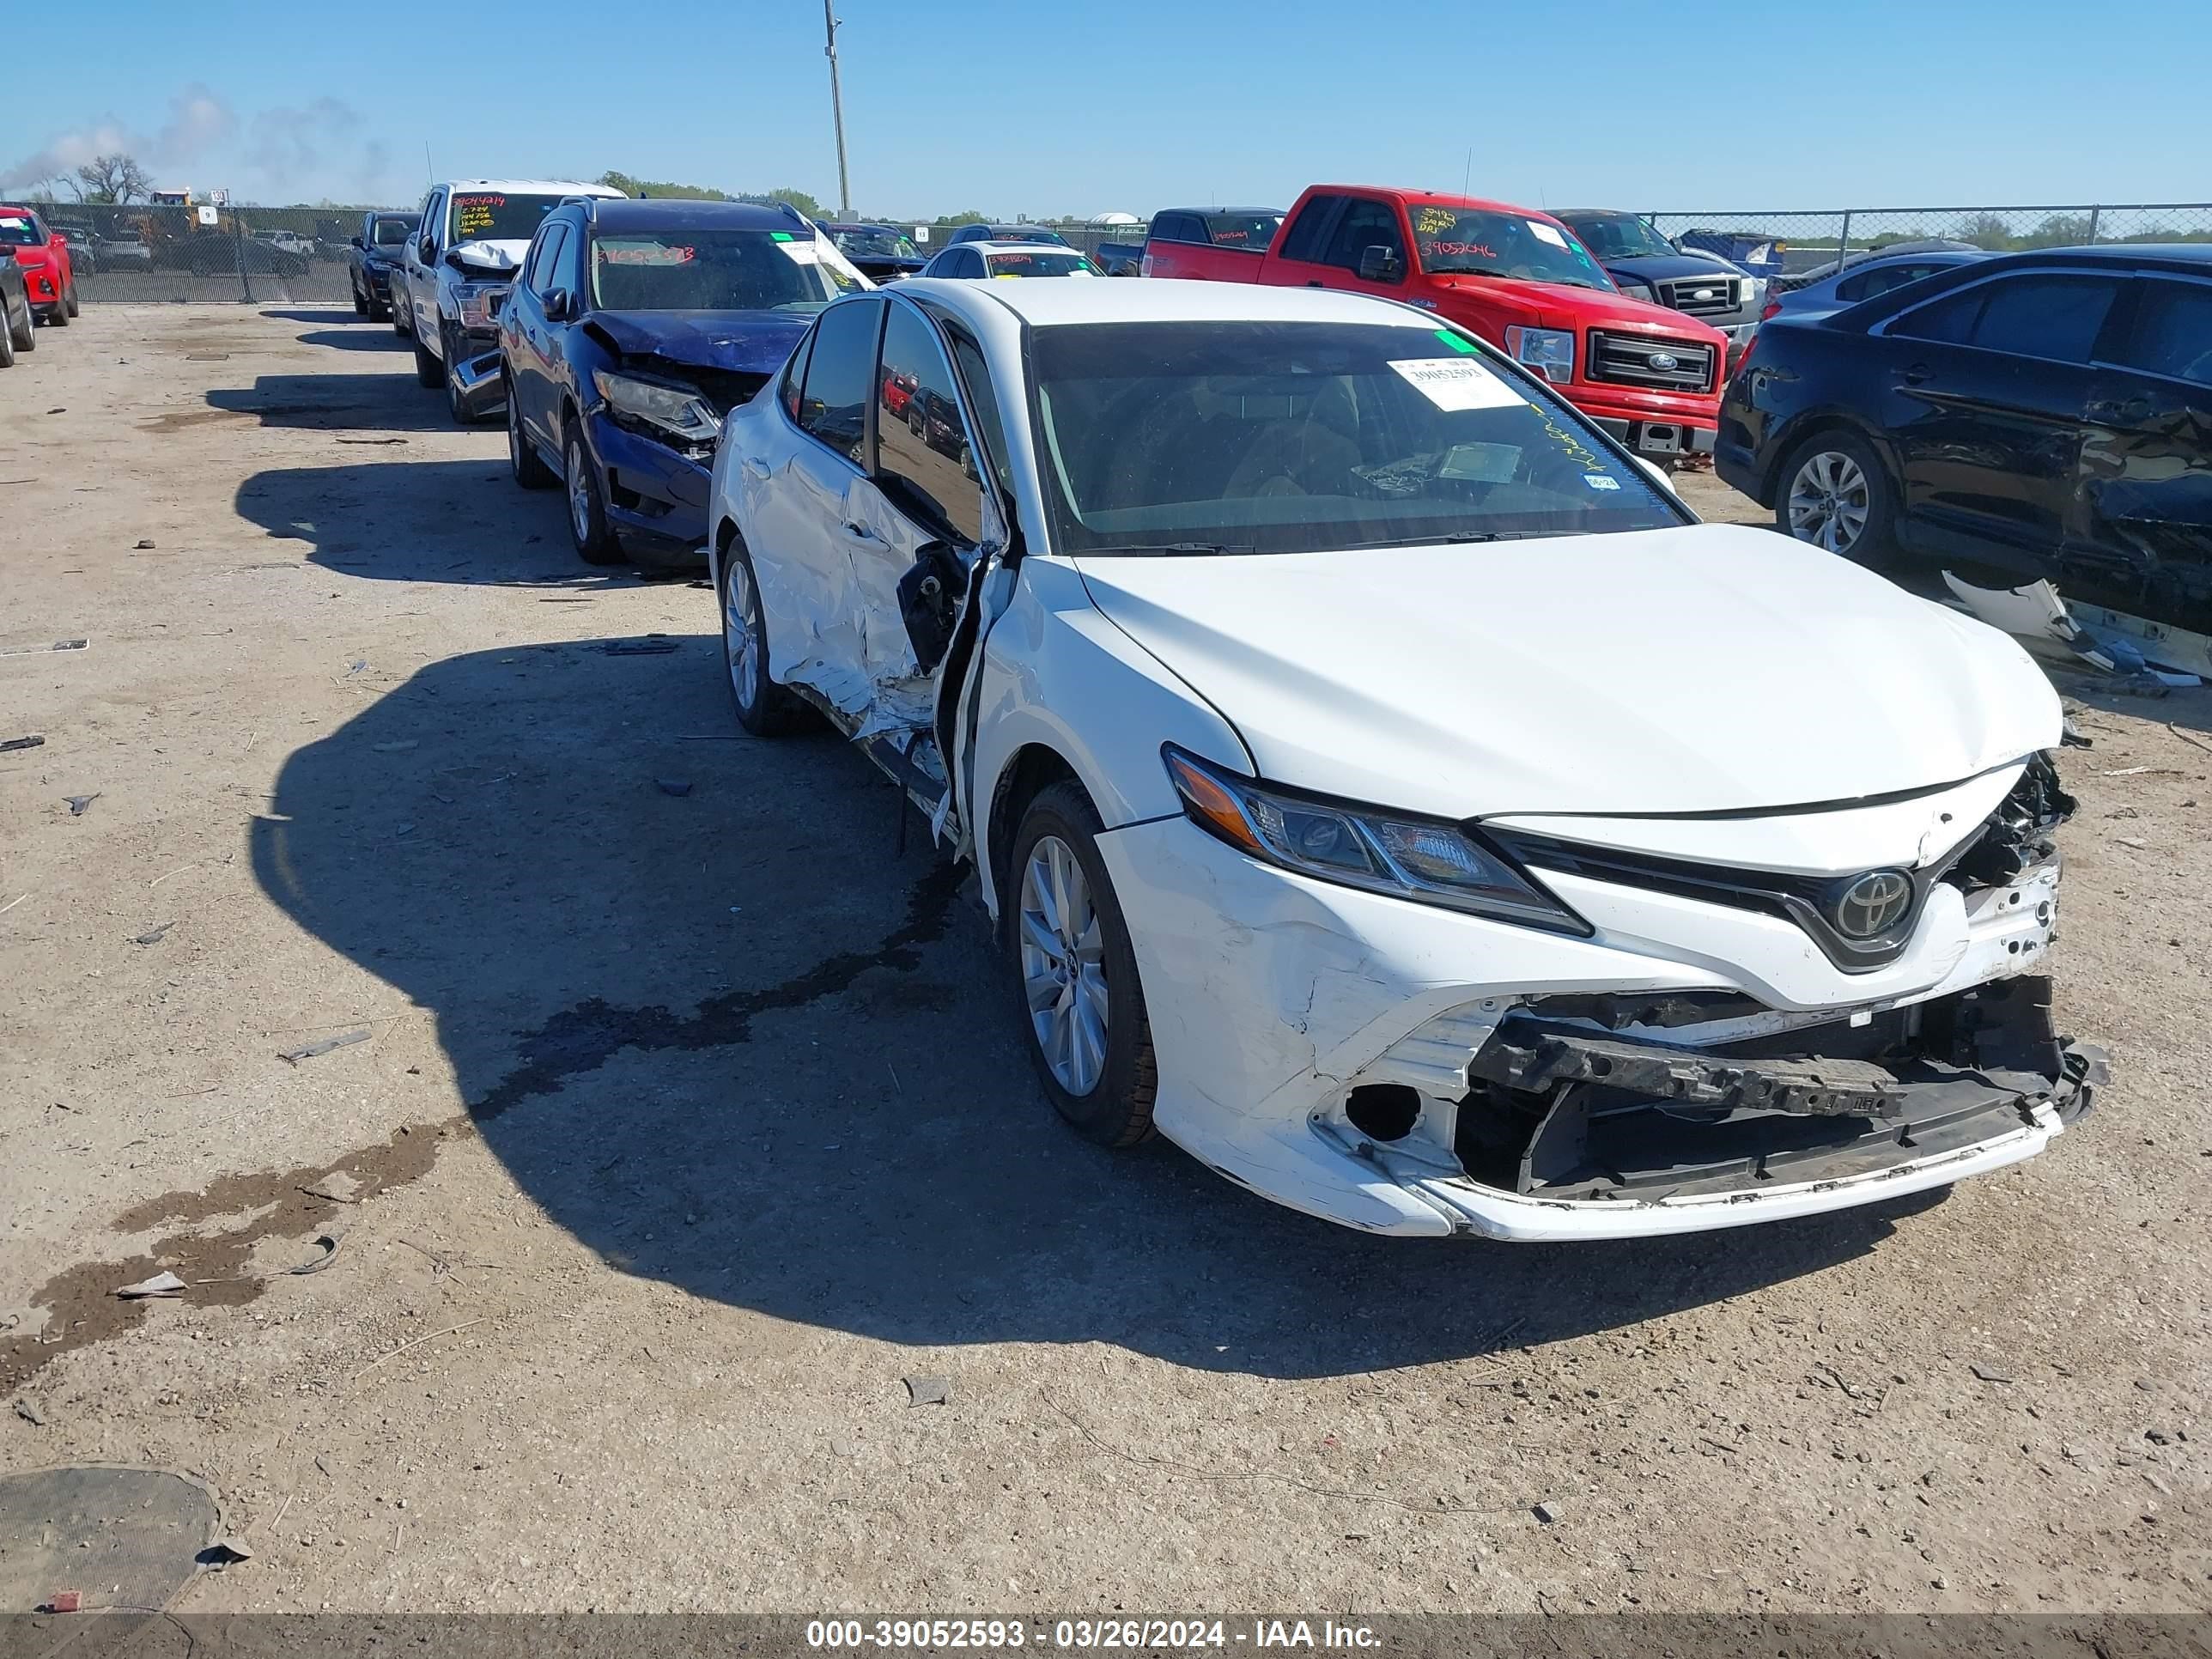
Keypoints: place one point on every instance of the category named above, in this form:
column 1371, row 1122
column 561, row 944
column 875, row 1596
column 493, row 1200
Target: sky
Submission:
column 1044, row 110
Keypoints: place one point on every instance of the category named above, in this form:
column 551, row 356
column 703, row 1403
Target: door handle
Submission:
column 1314, row 281
column 2127, row 409
column 757, row 467
column 859, row 533
column 1917, row 374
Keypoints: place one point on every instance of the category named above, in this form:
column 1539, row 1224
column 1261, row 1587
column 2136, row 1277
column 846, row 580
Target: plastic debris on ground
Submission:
column 293, row 1056
column 161, row 1284
column 2036, row 615
column 927, row 1390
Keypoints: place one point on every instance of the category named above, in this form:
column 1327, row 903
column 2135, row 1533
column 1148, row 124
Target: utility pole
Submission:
column 837, row 112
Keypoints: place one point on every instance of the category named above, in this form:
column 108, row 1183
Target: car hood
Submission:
column 1560, row 304
column 1671, row 267
column 1712, row 668
column 492, row 256
column 744, row 342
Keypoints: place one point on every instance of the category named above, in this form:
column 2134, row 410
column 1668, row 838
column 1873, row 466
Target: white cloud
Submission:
column 199, row 122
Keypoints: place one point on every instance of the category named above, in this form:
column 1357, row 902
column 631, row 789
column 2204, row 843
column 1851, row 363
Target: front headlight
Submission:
column 683, row 413
column 1753, row 291
column 479, row 303
column 1635, row 290
column 1549, row 351
column 1418, row 859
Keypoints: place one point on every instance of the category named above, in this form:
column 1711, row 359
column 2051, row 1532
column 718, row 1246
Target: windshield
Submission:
column 493, row 216
column 1070, row 263
column 1298, row 437
column 1252, row 230
column 1619, row 236
column 1501, row 245
column 874, row 244
column 393, row 232
column 16, row 230
column 1028, row 234
column 707, row 269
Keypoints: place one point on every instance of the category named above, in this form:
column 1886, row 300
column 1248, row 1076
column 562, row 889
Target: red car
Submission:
column 45, row 258
column 1651, row 376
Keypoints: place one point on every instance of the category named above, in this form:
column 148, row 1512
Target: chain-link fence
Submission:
column 249, row 254
column 1808, row 244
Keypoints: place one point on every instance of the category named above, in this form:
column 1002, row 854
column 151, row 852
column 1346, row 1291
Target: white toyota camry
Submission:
column 1384, row 787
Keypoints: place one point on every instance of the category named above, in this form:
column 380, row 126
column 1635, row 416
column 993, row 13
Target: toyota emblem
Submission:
column 1873, row 904
column 1663, row 360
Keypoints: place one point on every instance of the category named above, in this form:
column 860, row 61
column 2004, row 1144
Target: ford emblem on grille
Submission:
column 1663, row 360
column 1873, row 904
column 1703, row 293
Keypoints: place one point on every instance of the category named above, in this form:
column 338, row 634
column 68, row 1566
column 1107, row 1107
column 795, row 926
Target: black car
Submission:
column 17, row 322
column 2030, row 415
column 882, row 253
column 635, row 328
column 1004, row 234
column 377, row 249
column 220, row 253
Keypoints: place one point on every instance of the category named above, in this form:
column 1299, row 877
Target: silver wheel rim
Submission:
column 1063, row 966
column 738, row 641
column 1829, row 502
column 580, row 494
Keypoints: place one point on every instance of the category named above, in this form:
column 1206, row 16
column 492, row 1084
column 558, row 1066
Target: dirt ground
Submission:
column 688, row 1126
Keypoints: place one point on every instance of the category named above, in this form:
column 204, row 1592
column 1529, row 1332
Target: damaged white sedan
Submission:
column 1385, row 788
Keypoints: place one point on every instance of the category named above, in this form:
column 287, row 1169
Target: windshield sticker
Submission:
column 1481, row 463
column 778, row 236
column 1454, row 383
column 1458, row 343
column 1479, row 249
column 1600, row 480
column 15, row 224
column 1431, row 219
column 472, row 214
column 644, row 253
column 1543, row 232
column 804, row 254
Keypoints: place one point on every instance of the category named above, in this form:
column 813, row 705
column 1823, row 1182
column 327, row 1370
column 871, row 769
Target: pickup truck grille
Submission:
column 1626, row 360
column 1722, row 295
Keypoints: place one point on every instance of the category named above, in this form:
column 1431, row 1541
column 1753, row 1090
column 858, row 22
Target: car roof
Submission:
column 2196, row 256
column 1016, row 245
column 1441, row 198
column 681, row 213
column 861, row 225
column 1593, row 213
column 532, row 187
column 1049, row 305
column 1203, row 211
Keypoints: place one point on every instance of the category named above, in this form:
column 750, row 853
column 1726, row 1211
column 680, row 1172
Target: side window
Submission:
column 1946, row 322
column 923, row 456
column 537, row 276
column 833, row 405
column 433, row 219
column 1304, row 240
column 2056, row 319
column 568, row 265
column 794, row 375
column 971, row 264
column 1853, row 289
column 2173, row 332
column 1365, row 224
column 983, row 399
column 1188, row 229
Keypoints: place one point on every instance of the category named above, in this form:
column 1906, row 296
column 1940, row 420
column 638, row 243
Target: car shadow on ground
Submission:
column 465, row 522
column 726, row 1034
column 389, row 401
column 333, row 314
column 368, row 336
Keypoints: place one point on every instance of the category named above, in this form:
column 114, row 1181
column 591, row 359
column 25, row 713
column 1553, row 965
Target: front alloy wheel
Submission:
column 763, row 708
column 1063, row 966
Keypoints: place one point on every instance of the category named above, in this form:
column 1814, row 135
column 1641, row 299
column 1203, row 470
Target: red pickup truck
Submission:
column 1518, row 278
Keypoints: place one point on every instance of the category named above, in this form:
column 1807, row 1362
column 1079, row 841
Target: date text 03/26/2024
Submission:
column 1126, row 1635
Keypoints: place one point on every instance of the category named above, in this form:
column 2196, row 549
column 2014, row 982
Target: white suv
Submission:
column 459, row 270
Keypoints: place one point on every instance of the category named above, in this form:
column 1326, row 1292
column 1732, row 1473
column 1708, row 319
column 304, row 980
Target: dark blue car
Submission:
column 633, row 328
column 883, row 254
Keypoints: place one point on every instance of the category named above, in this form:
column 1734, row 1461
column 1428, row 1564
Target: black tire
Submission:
column 403, row 311
column 587, row 509
column 22, row 336
column 450, row 338
column 1829, row 459
column 1117, row 1108
column 763, row 708
column 7, row 337
column 70, row 306
column 360, row 300
column 428, row 371
column 523, row 459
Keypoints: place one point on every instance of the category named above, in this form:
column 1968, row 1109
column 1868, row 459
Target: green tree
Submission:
column 970, row 217
column 1986, row 230
column 629, row 184
column 2059, row 230
column 790, row 198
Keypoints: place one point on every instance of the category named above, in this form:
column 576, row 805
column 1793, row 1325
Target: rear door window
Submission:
column 1309, row 232
column 2173, row 333
column 2056, row 319
column 833, row 405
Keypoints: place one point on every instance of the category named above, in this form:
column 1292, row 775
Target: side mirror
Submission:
column 427, row 250
column 355, row 242
column 560, row 305
column 1380, row 264
column 57, row 240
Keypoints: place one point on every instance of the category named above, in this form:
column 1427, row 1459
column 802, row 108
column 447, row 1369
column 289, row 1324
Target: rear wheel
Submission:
column 20, row 334
column 522, row 458
column 451, row 339
column 763, row 708
column 360, row 300
column 428, row 371
column 69, row 306
column 1075, row 971
column 7, row 337
column 1836, row 495
column 588, row 512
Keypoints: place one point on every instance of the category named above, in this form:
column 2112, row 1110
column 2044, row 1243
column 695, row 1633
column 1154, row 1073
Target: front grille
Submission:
column 1625, row 360
column 1722, row 294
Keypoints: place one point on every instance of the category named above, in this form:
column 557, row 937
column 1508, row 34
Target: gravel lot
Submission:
column 686, row 1127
